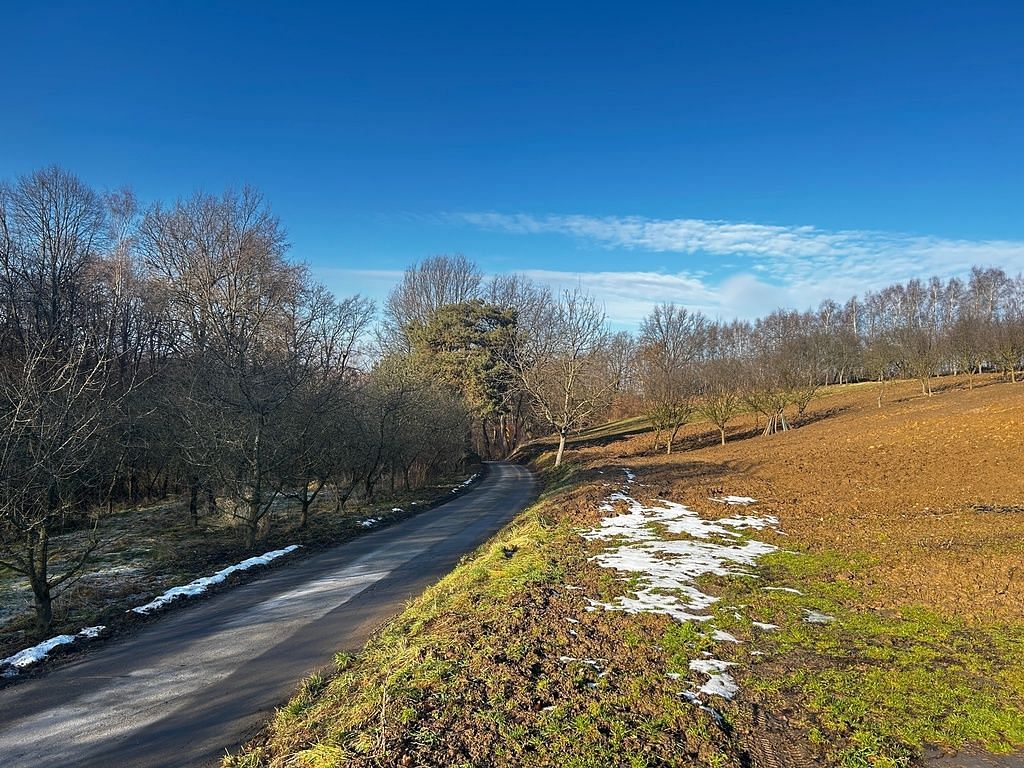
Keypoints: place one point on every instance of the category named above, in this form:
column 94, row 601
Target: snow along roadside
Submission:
column 29, row 656
column 199, row 586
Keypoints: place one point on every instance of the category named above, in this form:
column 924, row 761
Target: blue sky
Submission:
column 729, row 156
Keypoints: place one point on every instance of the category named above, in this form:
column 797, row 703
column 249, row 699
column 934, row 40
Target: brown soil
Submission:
column 932, row 487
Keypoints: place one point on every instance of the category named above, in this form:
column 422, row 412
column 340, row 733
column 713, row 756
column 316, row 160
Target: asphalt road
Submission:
column 206, row 677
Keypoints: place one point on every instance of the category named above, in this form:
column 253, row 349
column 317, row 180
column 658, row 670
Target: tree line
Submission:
column 690, row 365
column 175, row 348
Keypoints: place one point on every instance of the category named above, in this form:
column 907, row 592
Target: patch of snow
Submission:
column 720, row 682
column 630, row 477
column 724, row 637
column 199, row 586
column 667, row 568
column 397, row 509
column 645, row 543
column 734, row 500
column 765, row 626
column 37, row 653
column 369, row 522
column 783, row 589
column 815, row 617
column 694, row 699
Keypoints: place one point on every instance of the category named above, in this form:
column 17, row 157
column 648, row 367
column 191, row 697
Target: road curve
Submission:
column 206, row 677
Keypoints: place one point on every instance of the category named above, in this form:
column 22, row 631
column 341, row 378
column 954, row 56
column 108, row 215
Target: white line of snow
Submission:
column 37, row 653
column 199, row 586
column 783, row 589
column 464, row 483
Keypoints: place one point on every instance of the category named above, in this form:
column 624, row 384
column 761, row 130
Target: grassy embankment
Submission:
column 903, row 525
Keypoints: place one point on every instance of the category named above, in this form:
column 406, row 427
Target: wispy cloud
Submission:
column 784, row 265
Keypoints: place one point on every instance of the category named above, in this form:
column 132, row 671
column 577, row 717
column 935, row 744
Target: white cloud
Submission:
column 791, row 266
column 629, row 296
column 787, row 254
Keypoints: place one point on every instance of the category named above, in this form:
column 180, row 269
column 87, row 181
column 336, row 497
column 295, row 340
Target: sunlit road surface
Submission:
column 207, row 676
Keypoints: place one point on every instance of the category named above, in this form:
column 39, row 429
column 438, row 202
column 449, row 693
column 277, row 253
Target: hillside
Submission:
column 858, row 605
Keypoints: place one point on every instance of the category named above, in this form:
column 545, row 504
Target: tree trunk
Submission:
column 304, row 516
column 671, row 440
column 485, row 438
column 561, row 449
column 722, row 430
column 251, row 527
column 193, row 504
column 44, row 608
column 39, row 580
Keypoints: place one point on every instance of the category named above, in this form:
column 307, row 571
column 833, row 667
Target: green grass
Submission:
column 471, row 655
column 877, row 688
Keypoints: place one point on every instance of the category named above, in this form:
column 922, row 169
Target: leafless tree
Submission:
column 719, row 377
column 427, row 286
column 671, row 341
column 246, row 322
column 60, row 394
column 558, row 359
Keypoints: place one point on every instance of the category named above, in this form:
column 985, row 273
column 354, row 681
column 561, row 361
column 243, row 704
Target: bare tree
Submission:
column 557, row 356
column 326, row 375
column 246, row 324
column 671, row 340
column 427, row 286
column 59, row 393
column 719, row 377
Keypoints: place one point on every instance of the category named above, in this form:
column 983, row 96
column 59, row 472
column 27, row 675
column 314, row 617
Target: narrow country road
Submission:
column 204, row 678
